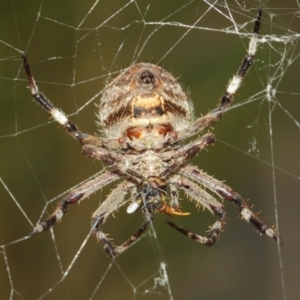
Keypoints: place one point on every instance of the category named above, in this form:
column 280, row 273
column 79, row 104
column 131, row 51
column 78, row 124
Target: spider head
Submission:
column 151, row 197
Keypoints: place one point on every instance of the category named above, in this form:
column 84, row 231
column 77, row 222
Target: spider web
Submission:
column 74, row 48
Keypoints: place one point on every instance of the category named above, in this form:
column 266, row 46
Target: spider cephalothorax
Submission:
column 144, row 117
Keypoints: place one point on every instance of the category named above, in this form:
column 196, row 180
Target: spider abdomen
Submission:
column 143, row 95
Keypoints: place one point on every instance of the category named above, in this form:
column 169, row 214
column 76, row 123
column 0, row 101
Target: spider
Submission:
column 144, row 116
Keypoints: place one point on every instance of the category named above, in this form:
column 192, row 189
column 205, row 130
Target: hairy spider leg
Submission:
column 112, row 203
column 186, row 152
column 78, row 194
column 202, row 198
column 60, row 117
column 113, row 250
column 42, row 100
column 228, row 194
column 234, row 84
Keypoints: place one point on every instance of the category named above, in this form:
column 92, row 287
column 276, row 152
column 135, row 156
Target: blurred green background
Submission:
column 74, row 48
